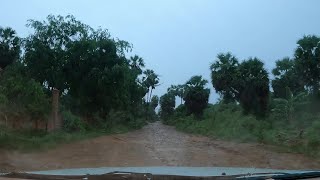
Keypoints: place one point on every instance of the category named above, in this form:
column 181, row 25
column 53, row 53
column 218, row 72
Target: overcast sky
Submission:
column 180, row 38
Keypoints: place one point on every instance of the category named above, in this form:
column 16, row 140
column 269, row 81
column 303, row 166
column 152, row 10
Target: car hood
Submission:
column 167, row 170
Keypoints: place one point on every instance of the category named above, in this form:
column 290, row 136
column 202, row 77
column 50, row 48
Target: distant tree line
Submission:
column 247, row 82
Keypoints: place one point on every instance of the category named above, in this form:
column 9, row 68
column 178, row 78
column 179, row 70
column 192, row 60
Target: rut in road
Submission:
column 155, row 145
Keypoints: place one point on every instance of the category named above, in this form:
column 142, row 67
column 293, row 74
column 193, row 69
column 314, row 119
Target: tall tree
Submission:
column 151, row 80
column 254, row 87
column 46, row 49
column 25, row 98
column 196, row 95
column 154, row 102
column 89, row 66
column 224, row 76
column 167, row 105
column 307, row 57
column 137, row 64
column 138, row 90
column 245, row 82
column 286, row 77
column 107, row 80
column 9, row 47
column 177, row 90
column 180, row 92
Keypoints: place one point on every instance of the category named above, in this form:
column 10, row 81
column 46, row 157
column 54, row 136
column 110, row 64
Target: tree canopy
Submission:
column 246, row 82
column 307, row 56
column 254, row 87
column 167, row 105
column 9, row 47
column 224, row 76
column 285, row 76
column 96, row 77
column 89, row 67
column 196, row 96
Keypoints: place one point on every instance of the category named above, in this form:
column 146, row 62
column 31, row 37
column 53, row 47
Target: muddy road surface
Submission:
column 154, row 145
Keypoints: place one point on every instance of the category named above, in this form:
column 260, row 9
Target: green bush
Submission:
column 73, row 129
column 27, row 140
column 167, row 104
column 181, row 110
column 136, row 123
column 119, row 121
column 313, row 137
column 226, row 121
column 21, row 96
column 150, row 114
column 72, row 122
column 3, row 99
column 118, row 117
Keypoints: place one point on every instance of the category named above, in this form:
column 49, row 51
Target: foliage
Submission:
column 283, row 109
column 23, row 97
column 105, row 76
column 63, row 50
column 167, row 105
column 286, row 77
column 254, row 87
column 177, row 90
column 101, row 89
column 313, row 136
column 224, row 76
column 290, row 113
column 180, row 111
column 46, row 49
column 118, row 121
column 307, row 57
column 150, row 113
column 196, row 95
column 150, row 80
column 246, row 82
column 72, row 122
column 226, row 121
column 154, row 102
column 9, row 47
column 30, row 140
column 136, row 63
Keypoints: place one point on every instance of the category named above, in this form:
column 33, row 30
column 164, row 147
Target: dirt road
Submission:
column 155, row 145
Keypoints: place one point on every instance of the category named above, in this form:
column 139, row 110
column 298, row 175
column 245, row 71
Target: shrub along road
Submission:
column 155, row 145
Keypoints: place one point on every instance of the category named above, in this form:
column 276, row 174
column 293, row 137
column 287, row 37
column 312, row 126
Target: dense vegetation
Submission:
column 104, row 91
column 100, row 87
column 283, row 111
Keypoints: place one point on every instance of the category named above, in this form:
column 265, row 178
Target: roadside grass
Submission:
column 227, row 122
column 31, row 140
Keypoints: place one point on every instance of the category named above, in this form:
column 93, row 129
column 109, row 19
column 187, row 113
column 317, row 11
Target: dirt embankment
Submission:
column 154, row 145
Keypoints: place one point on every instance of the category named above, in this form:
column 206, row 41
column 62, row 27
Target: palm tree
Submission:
column 177, row 90
column 9, row 47
column 180, row 92
column 151, row 80
column 137, row 63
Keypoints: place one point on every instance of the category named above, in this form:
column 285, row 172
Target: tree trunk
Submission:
column 150, row 95
column 54, row 121
column 147, row 99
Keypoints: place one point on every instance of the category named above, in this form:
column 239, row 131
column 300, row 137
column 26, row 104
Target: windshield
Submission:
column 233, row 86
